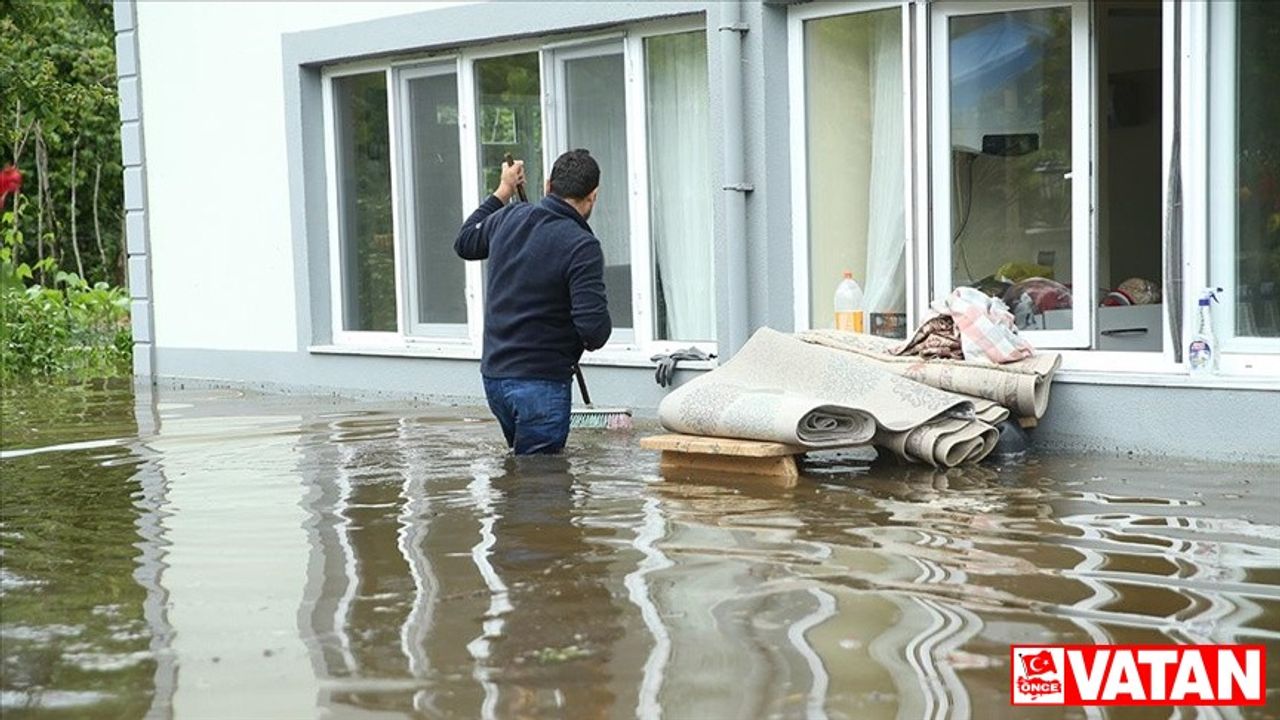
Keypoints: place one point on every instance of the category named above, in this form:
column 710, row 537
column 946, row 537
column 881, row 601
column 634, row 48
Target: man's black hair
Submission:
column 574, row 175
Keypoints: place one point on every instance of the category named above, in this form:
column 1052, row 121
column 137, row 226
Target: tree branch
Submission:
column 97, row 228
column 75, row 244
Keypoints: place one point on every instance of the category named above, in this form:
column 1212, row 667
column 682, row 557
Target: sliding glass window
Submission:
column 591, row 114
column 1011, row 154
column 855, row 156
column 1245, row 173
column 415, row 146
column 433, row 186
column 366, row 244
column 680, row 186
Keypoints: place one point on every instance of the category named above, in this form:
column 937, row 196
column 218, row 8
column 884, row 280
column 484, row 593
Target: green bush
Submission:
column 68, row 330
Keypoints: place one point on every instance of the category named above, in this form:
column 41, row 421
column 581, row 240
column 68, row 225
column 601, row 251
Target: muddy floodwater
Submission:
column 199, row 553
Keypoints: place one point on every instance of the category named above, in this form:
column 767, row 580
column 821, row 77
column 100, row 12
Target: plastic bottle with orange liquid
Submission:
column 849, row 311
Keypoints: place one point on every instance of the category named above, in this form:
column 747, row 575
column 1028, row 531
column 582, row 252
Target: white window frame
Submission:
column 642, row 343
column 800, row 262
column 1153, row 365
column 638, row 165
column 445, row 341
column 416, row 332
column 342, row 336
column 1235, row 369
column 1082, row 238
column 1243, row 355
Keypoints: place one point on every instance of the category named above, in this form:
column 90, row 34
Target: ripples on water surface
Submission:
column 215, row 554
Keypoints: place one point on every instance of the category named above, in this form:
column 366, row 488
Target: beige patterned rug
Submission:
column 1022, row 386
column 780, row 389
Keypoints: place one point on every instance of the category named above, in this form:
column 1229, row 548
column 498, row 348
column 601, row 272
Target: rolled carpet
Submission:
column 780, row 389
column 1021, row 386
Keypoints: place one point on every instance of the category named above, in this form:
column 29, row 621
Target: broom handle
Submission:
column 582, row 385
column 510, row 159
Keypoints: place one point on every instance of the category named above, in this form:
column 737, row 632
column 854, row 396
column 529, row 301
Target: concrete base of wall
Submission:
column 1228, row 425
column 1234, row 425
column 444, row 381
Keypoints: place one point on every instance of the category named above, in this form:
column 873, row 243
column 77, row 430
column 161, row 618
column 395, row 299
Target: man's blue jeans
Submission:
column 534, row 414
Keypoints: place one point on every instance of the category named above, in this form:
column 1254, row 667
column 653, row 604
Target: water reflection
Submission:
column 401, row 621
column 77, row 622
column 554, row 628
column 235, row 560
column 240, row 556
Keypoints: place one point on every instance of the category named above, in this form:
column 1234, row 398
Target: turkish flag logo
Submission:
column 1039, row 664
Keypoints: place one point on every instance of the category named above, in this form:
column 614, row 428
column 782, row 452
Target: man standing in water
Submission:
column 544, row 298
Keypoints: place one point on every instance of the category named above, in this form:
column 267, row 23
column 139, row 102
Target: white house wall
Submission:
column 217, row 170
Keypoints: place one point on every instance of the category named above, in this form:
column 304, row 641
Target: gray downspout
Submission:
column 734, row 187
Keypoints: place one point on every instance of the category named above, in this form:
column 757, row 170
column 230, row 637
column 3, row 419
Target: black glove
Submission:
column 667, row 363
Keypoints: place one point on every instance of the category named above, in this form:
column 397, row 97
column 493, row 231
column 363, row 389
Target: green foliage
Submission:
column 68, row 330
column 58, row 84
column 366, row 197
column 509, row 89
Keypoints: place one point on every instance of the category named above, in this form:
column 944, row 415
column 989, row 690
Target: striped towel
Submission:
column 986, row 326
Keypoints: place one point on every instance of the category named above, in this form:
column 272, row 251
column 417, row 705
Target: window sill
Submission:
column 620, row 357
column 636, row 358
column 1166, row 379
column 412, row 350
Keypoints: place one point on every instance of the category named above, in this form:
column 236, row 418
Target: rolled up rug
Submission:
column 780, row 389
column 1021, row 386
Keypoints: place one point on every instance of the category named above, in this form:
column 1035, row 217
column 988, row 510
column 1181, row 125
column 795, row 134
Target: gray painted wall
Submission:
column 1234, row 424
column 1229, row 425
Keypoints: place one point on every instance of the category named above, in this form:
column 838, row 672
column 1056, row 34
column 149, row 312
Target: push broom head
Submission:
column 600, row 419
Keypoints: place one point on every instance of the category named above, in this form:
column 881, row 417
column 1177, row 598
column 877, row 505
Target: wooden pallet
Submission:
column 696, row 454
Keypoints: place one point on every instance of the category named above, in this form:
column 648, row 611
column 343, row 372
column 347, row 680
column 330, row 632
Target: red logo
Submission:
column 1137, row 675
column 1036, row 676
column 1039, row 664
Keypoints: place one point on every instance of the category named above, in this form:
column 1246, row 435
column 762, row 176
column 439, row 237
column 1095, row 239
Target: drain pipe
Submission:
column 735, row 188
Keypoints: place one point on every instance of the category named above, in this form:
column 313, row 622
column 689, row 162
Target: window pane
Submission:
column 1258, row 166
column 597, row 120
column 437, row 202
column 857, row 169
column 1010, row 81
column 364, row 202
column 680, row 186
column 1127, row 123
column 509, row 118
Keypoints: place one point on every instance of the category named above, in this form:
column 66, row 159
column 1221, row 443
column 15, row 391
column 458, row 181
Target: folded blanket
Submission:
column 780, row 389
column 1021, row 386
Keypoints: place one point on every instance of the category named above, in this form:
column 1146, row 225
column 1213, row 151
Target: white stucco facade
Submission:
column 218, row 192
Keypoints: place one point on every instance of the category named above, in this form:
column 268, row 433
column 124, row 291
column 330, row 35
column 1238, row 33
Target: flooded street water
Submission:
column 215, row 554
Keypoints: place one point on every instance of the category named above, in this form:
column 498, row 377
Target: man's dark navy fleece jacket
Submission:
column 545, row 300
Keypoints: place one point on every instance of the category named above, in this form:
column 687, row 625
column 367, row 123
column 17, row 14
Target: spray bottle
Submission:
column 1202, row 353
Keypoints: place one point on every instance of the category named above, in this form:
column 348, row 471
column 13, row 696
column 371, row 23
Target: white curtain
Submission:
column 886, row 286
column 856, row 167
column 680, row 183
